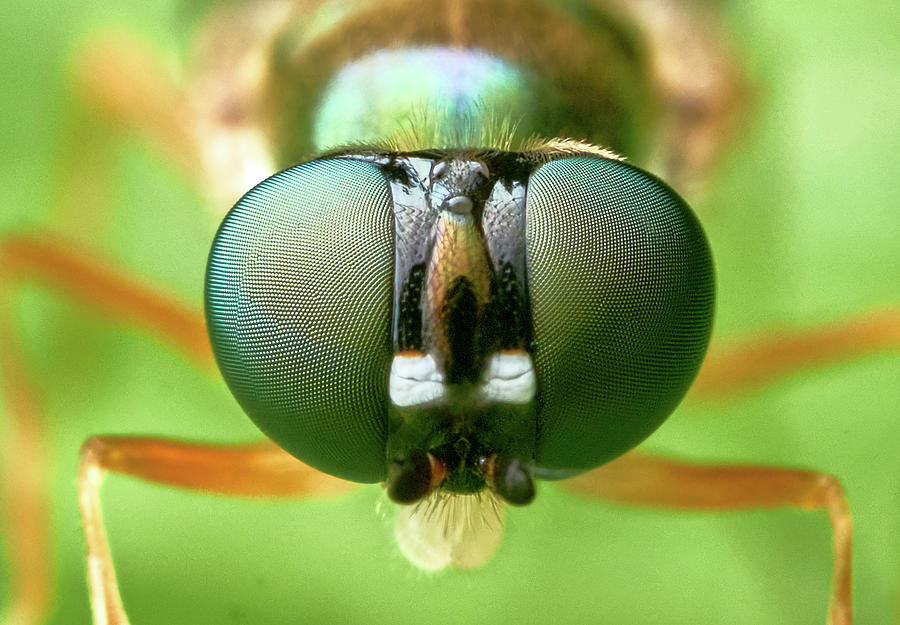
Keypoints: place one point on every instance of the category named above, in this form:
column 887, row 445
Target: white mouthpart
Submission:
column 509, row 379
column 415, row 380
column 451, row 530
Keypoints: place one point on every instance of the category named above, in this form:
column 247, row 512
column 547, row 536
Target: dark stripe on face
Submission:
column 461, row 313
column 409, row 311
column 507, row 318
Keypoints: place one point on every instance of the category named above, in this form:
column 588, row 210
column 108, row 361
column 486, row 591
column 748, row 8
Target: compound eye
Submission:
column 299, row 292
column 621, row 285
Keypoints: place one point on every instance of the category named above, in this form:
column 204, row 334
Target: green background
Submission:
column 805, row 228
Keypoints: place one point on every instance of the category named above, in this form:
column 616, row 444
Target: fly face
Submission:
column 462, row 382
column 452, row 321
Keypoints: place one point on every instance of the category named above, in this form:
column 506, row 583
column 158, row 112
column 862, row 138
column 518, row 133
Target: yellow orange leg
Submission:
column 747, row 365
column 260, row 469
column 122, row 79
column 208, row 125
column 90, row 280
column 701, row 84
column 24, row 458
column 641, row 480
column 120, row 87
column 23, row 480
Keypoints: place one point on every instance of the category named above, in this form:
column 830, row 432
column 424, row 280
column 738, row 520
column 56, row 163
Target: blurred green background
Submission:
column 804, row 222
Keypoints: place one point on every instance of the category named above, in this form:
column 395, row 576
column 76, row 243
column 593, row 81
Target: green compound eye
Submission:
column 298, row 302
column 622, row 297
column 309, row 303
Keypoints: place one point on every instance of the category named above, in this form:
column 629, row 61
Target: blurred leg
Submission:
column 24, row 458
column 754, row 363
column 208, row 124
column 112, row 292
column 122, row 80
column 640, row 480
column 701, row 84
column 24, row 474
column 261, row 469
column 120, row 86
